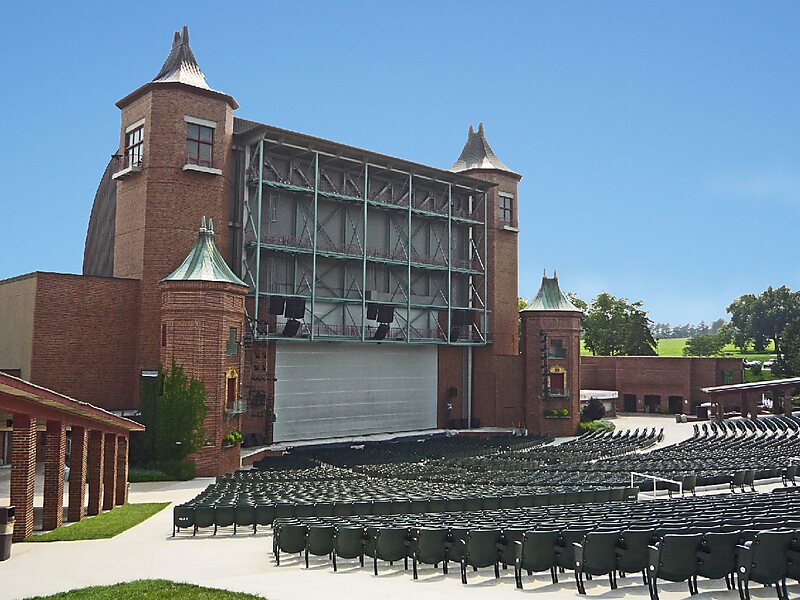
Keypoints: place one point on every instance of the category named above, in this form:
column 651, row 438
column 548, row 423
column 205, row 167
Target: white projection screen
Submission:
column 327, row 390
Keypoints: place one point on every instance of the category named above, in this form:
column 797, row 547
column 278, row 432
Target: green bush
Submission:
column 554, row 412
column 594, row 410
column 564, row 412
column 233, row 438
column 601, row 426
column 168, row 470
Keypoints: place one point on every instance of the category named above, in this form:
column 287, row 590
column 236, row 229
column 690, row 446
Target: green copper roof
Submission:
column 550, row 297
column 204, row 262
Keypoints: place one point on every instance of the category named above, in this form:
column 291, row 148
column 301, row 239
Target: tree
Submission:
column 594, row 410
column 788, row 363
column 173, row 410
column 756, row 319
column 613, row 326
column 704, row 345
column 639, row 340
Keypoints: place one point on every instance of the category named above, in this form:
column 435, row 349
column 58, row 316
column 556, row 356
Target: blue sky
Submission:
column 659, row 142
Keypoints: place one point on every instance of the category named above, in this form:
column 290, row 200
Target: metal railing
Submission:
column 655, row 480
column 238, row 407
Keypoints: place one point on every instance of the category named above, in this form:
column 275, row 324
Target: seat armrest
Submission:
column 518, row 549
column 744, row 560
column 653, row 559
column 578, row 554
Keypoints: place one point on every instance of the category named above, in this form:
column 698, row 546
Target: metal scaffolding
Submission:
column 346, row 238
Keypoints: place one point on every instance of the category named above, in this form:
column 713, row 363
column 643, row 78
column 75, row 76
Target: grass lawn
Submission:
column 674, row 347
column 104, row 525
column 150, row 589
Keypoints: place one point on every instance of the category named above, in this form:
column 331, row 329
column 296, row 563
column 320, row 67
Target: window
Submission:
column 134, row 147
column 727, row 377
column 506, row 208
column 199, row 144
column 556, row 349
column 232, row 349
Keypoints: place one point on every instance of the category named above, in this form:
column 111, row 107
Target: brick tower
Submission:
column 551, row 346
column 202, row 319
column 173, row 166
column 495, row 378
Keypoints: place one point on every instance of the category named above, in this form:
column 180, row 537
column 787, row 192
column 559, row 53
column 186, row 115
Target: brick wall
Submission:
column 83, row 335
column 159, row 209
column 197, row 316
column 662, row 376
column 557, row 325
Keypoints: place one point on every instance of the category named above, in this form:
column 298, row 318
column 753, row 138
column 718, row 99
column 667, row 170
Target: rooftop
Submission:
column 478, row 154
column 550, row 297
column 204, row 262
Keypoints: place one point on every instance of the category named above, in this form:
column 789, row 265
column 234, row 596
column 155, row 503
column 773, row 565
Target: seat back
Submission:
column 632, row 549
column 717, row 554
column 769, row 556
column 319, row 540
column 390, row 543
column 291, row 537
column 508, row 550
column 537, row 552
column 565, row 548
column 598, row 552
column 349, row 541
column 481, row 547
column 430, row 544
column 678, row 558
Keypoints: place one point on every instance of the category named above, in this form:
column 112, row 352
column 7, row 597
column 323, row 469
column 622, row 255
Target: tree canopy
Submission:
column 614, row 326
column 756, row 319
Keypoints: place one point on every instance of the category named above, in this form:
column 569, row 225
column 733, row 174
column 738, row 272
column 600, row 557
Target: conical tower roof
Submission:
column 181, row 65
column 478, row 154
column 204, row 262
column 550, row 297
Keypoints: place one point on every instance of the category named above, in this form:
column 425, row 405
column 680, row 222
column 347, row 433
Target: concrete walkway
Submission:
column 244, row 563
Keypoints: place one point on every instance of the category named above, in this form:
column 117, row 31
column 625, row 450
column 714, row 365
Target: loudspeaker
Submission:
column 452, row 392
column 295, row 308
column 372, row 312
column 291, row 328
column 277, row 305
column 455, row 333
column 385, row 313
column 462, row 317
column 381, row 331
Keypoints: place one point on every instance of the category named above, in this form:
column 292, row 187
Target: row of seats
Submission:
column 249, row 512
column 676, row 540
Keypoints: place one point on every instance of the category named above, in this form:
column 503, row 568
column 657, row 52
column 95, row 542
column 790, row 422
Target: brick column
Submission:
column 95, row 472
column 122, row 469
column 110, row 472
column 77, row 474
column 23, row 474
column 55, row 446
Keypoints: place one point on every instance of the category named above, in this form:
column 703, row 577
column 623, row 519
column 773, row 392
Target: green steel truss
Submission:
column 343, row 234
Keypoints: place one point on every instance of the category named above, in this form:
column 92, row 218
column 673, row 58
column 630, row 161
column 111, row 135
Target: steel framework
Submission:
column 342, row 234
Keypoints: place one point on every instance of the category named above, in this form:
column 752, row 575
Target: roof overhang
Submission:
column 338, row 150
column 156, row 85
column 774, row 384
column 18, row 396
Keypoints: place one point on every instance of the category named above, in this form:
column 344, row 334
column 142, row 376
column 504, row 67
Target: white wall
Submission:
column 332, row 390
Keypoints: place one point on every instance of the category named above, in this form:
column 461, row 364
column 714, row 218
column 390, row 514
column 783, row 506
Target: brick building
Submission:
column 659, row 384
column 362, row 293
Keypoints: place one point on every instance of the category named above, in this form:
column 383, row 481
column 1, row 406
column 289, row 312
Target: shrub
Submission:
column 564, row 412
column 554, row 412
column 594, row 410
column 233, row 438
column 168, row 470
column 601, row 426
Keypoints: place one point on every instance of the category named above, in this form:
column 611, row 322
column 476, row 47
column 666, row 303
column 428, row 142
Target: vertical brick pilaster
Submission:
column 55, row 447
column 95, row 472
column 110, row 471
column 77, row 474
column 122, row 470
column 23, row 474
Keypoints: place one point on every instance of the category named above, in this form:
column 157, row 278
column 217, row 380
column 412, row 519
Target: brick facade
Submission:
column 121, row 494
column 82, row 332
column 55, row 448
column 79, row 442
column 23, row 474
column 94, row 472
column 662, row 384
column 109, row 471
column 558, row 325
column 197, row 317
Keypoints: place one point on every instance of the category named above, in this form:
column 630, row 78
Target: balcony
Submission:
column 558, row 392
column 199, row 164
column 127, row 164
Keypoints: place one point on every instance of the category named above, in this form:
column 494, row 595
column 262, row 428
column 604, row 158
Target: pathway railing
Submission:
column 655, row 480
